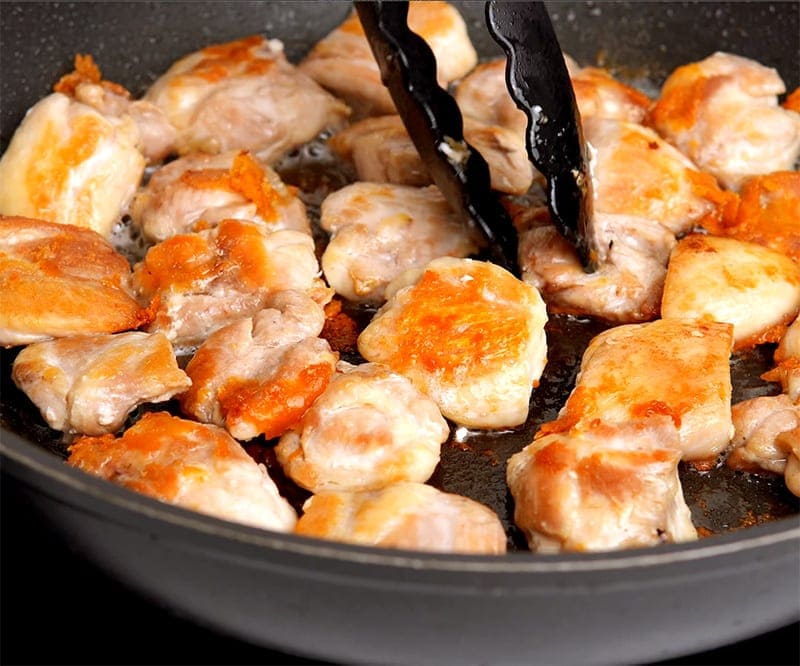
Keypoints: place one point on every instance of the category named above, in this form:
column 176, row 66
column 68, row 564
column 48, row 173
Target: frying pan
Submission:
column 356, row 604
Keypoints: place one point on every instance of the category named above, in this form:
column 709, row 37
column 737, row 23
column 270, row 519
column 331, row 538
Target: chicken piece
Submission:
column 379, row 230
column 368, row 429
column 58, row 280
column 638, row 372
column 712, row 278
column 259, row 375
column 382, row 152
column 343, row 62
column 605, row 488
column 200, row 190
column 787, row 358
column 202, row 281
column 243, row 95
column 468, row 334
column 758, row 423
column 157, row 136
column 90, row 383
column 406, row 515
column 196, row 466
column 723, row 113
column 768, row 213
column 483, row 95
column 790, row 440
column 69, row 164
column 646, row 193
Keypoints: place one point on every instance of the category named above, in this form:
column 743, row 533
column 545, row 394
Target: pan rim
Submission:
column 129, row 504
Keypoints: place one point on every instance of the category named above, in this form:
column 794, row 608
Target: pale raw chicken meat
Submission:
column 244, row 95
column 378, row 230
column 405, row 515
column 759, row 423
column 754, row 288
column 665, row 368
column 370, row 427
column 645, row 194
column 200, row 190
column 723, row 113
column 156, row 134
column 90, row 383
column 202, row 281
column 600, row 489
column 768, row 213
column 343, row 62
column 381, row 151
column 787, row 358
column 259, row 374
column 193, row 465
column 58, row 280
column 69, row 164
column 468, row 334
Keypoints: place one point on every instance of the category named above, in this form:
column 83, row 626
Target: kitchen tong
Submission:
column 538, row 81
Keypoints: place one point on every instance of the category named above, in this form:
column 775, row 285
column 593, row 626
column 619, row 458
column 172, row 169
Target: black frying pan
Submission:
column 359, row 604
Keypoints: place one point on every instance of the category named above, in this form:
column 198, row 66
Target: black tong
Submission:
column 538, row 81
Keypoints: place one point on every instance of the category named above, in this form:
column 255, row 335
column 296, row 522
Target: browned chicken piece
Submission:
column 787, row 358
column 69, row 164
column 90, row 383
column 410, row 516
column 646, row 192
column 58, row 280
column 379, row 230
column 259, row 375
column 203, row 281
column 600, row 95
column 666, row 368
column 768, row 213
column 343, row 62
column 599, row 489
column 370, row 428
column 723, row 113
column 468, row 334
column 759, row 422
column 199, row 190
column 157, row 136
column 192, row 465
column 243, row 95
column 382, row 152
column 712, row 278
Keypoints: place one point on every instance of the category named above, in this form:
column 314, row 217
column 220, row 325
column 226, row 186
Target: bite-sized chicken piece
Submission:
column 468, row 334
column 243, row 95
column 787, row 358
column 605, row 488
column 368, row 429
column 193, row 465
column 712, row 278
column 90, row 383
column 58, row 280
column 646, row 192
column 483, row 95
column 342, row 61
column 790, row 441
column 378, row 230
column 723, row 113
column 157, row 136
column 202, row 281
column 768, row 213
column 200, row 190
column 382, row 152
column 69, row 164
column 406, row 515
column 639, row 372
column 759, row 422
column 258, row 375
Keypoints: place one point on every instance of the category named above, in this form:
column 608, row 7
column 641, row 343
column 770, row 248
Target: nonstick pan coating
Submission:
column 358, row 604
